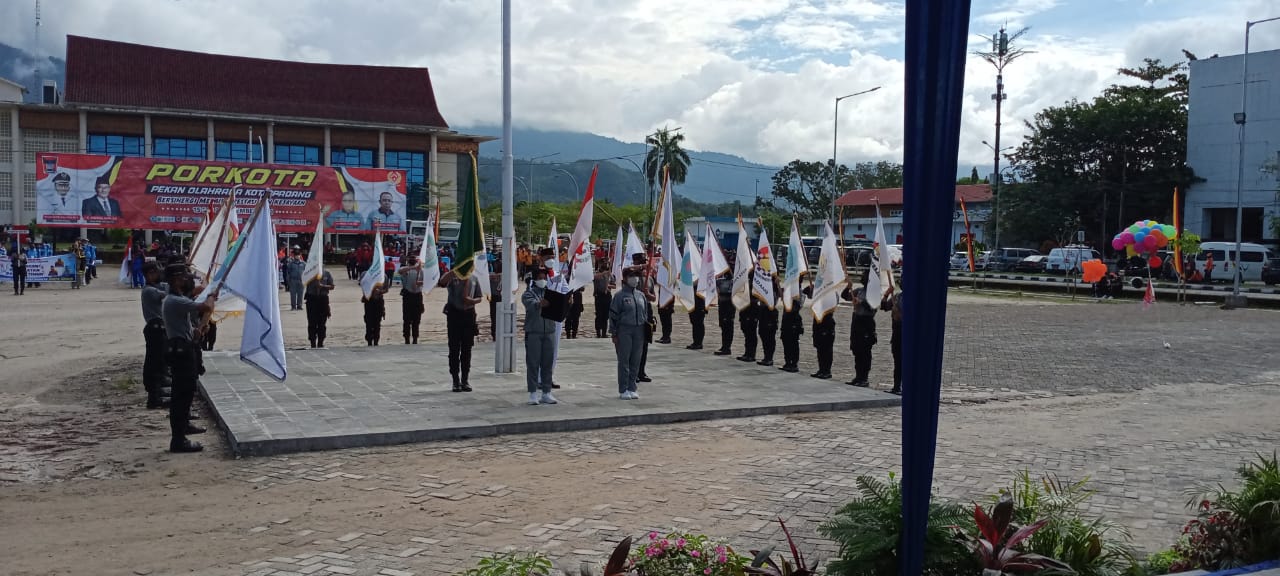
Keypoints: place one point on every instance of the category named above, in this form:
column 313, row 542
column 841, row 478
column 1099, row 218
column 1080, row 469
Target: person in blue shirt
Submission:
column 90, row 256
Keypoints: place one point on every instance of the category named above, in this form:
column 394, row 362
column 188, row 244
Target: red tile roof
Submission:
column 893, row 196
column 108, row 73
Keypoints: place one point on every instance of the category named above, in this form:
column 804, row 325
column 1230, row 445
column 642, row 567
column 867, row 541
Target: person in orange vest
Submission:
column 1208, row 268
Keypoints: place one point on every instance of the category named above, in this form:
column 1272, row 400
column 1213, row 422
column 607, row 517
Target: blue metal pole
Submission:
column 937, row 36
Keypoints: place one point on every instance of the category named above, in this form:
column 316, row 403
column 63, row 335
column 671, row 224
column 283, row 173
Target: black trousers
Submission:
column 698, row 321
column 664, row 319
column 792, row 328
column 19, row 281
column 153, row 364
column 412, row 315
column 824, row 341
column 317, row 317
column 602, row 314
column 461, row 325
column 210, row 337
column 747, row 319
column 862, row 337
column 571, row 321
column 183, row 359
column 767, row 325
column 372, row 329
column 895, row 346
column 726, row 324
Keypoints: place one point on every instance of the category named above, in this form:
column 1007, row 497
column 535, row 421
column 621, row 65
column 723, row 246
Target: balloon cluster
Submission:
column 1143, row 237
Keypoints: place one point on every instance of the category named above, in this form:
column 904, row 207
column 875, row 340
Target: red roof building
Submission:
column 858, row 208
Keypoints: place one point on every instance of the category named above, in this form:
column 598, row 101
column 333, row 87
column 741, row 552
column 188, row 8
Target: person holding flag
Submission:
column 602, row 289
column 764, row 287
column 181, row 314
column 316, row 301
column 743, row 280
column 412, row 280
column 862, row 329
column 793, row 300
column 825, row 289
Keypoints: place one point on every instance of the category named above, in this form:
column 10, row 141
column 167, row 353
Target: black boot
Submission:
column 457, row 384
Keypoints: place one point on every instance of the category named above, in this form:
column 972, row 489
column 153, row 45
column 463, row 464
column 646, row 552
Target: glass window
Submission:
column 236, row 151
column 414, row 166
column 355, row 157
column 185, row 148
column 115, row 144
column 297, row 154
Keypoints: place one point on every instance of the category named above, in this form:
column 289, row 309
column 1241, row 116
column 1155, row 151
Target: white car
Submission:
column 960, row 261
column 1068, row 259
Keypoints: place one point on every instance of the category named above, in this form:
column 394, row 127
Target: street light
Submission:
column 532, row 187
column 1001, row 54
column 835, row 142
column 1240, row 118
column 576, row 190
column 993, row 148
column 528, row 227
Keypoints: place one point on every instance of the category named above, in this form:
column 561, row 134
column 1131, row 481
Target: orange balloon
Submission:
column 1093, row 271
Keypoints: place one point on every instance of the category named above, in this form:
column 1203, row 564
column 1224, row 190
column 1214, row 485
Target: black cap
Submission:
column 62, row 178
column 176, row 270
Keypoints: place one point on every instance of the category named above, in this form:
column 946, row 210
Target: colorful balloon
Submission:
column 1149, row 243
column 1140, row 237
column 1117, row 243
column 1155, row 262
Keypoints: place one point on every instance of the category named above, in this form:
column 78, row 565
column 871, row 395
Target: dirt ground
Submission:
column 87, row 488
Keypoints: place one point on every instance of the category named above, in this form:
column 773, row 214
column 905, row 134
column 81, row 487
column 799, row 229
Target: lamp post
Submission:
column 504, row 356
column 532, row 187
column 1001, row 55
column 577, row 191
column 528, row 228
column 996, row 182
column 1240, row 119
column 835, row 143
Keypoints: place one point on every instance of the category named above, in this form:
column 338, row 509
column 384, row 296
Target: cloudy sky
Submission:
column 755, row 78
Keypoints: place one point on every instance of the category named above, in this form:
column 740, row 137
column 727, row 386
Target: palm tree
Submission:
column 665, row 150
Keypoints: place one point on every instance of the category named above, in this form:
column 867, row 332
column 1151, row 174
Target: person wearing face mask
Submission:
column 628, row 321
column 539, row 343
column 180, row 314
column 644, row 284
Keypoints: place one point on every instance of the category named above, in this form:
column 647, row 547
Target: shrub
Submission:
column 1235, row 528
column 1092, row 547
column 512, row 564
column 997, row 544
column 1162, row 562
column 681, row 554
column 869, row 530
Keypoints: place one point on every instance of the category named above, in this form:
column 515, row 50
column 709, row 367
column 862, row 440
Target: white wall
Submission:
column 1213, row 136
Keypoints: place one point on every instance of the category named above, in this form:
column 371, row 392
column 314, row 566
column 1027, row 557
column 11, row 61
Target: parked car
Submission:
column 1034, row 263
column 960, row 261
column 1271, row 272
column 1253, row 259
column 1069, row 258
column 1005, row 259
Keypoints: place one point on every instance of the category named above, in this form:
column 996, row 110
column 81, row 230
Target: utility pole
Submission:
column 1001, row 55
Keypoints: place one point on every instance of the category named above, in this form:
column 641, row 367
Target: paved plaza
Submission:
column 370, row 396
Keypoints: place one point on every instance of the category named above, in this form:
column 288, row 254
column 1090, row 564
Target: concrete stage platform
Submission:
column 395, row 394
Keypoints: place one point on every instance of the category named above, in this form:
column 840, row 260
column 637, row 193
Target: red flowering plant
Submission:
column 685, row 554
column 1215, row 539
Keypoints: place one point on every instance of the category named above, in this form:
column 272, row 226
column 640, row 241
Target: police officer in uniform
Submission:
column 664, row 319
column 317, row 303
column 539, row 341
column 153, row 366
column 824, row 340
column 767, row 324
column 792, row 328
column 180, row 314
column 862, row 332
column 645, row 285
column 697, row 319
column 748, row 322
column 724, row 303
column 411, row 293
column 460, row 317
column 601, row 287
column 628, row 322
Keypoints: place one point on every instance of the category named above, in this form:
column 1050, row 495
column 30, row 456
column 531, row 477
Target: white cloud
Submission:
column 750, row 77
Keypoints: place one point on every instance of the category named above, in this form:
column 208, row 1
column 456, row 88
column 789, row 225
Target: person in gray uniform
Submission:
column 628, row 318
column 293, row 278
column 153, row 366
column 539, row 340
column 180, row 313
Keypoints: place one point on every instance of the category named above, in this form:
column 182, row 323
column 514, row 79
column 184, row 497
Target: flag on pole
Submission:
column 968, row 234
column 797, row 265
column 762, row 282
column 126, row 275
column 250, row 274
column 429, row 259
column 314, row 269
column 1148, row 297
column 830, row 279
column 713, row 265
column 471, row 230
column 876, row 287
column 743, row 262
column 376, row 276
column 634, row 245
column 618, row 255
column 690, row 266
column 1177, row 233
column 580, row 271
column 668, row 273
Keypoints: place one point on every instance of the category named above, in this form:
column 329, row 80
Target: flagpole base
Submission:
column 1233, row 301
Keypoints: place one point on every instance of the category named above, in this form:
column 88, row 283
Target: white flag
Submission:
column 743, row 262
column 209, row 247
column 830, row 279
column 580, row 270
column 668, row 271
column 480, row 272
column 126, row 275
column 762, row 282
column 690, row 265
column 314, row 270
column 713, row 265
column 874, row 280
column 883, row 260
column 618, row 256
column 553, row 242
column 797, row 265
column 376, row 276
column 252, row 277
column 429, row 259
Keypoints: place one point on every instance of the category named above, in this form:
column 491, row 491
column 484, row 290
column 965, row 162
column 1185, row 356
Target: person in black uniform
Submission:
column 697, row 319
column 317, row 304
column 747, row 321
column 824, row 340
column 767, row 324
column 209, row 336
column 664, row 319
column 792, row 328
column 375, row 310
column 862, row 332
column 601, row 286
column 572, row 319
column 724, row 301
column 19, row 261
column 894, row 305
column 495, row 288
column 180, row 313
column 411, row 306
column 460, row 321
column 153, row 365
column 640, row 262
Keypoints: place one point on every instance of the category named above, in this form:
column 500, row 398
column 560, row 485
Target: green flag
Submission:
column 471, row 234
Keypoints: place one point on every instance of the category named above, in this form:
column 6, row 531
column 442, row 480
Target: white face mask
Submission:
column 540, row 283
column 550, row 263
column 633, row 281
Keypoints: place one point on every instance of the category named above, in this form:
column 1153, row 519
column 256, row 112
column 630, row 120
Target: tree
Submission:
column 1106, row 162
column 805, row 187
column 972, row 179
column 665, row 150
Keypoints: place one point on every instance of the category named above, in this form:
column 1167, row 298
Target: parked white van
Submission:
column 1069, row 258
column 1252, row 259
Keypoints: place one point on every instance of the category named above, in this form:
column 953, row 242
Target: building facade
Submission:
column 196, row 106
column 859, row 212
column 1213, row 147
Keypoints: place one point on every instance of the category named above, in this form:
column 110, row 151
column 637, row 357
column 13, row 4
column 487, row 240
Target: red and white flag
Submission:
column 580, row 272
